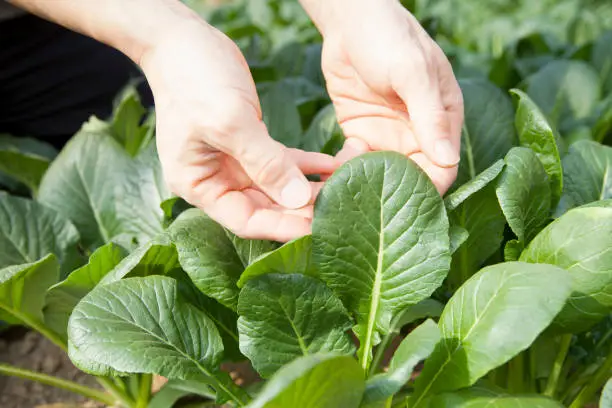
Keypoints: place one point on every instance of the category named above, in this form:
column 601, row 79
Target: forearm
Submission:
column 328, row 14
column 131, row 26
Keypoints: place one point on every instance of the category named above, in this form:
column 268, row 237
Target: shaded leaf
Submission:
column 601, row 57
column 20, row 163
column 458, row 235
column 283, row 317
column 281, row 115
column 380, row 239
column 425, row 308
column 324, row 133
column 453, row 200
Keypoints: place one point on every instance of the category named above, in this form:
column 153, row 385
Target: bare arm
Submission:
column 131, row 26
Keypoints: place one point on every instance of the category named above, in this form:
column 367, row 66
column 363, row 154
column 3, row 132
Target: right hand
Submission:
column 214, row 148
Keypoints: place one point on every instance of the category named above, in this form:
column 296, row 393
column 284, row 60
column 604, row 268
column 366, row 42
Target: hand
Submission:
column 215, row 150
column 392, row 87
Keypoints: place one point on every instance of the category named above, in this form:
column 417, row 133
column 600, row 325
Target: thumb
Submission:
column 430, row 120
column 269, row 165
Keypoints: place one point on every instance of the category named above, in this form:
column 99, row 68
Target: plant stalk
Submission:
column 588, row 392
column 116, row 392
column 516, row 374
column 553, row 378
column 71, row 386
column 144, row 391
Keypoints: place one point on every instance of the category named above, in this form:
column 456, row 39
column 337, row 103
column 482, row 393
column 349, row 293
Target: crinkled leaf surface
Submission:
column 283, row 317
column 415, row 347
column 535, row 132
column 23, row 287
column 108, row 195
column 580, row 241
column 565, row 91
column 488, row 131
column 380, row 239
column 587, row 172
column 314, row 381
column 140, row 325
column 523, row 191
column 481, row 216
column 293, row 257
column 453, row 200
column 208, row 255
column 62, row 297
column 479, row 323
column 30, row 231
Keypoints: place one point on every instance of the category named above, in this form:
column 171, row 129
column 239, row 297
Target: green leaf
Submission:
column 250, row 250
column 481, row 216
column 513, row 250
column 479, row 323
column 601, row 58
column 606, row 395
column 283, row 317
column 173, row 390
column 565, row 91
column 415, row 347
column 158, row 257
column 603, row 125
column 293, row 257
column 62, row 297
column 458, row 236
column 488, row 131
column 581, row 242
column 208, row 255
column 483, row 179
column 587, row 172
column 140, row 325
column 462, row 399
column 322, row 381
column 24, row 161
column 22, row 290
column 112, row 197
column 425, row 308
column 324, row 133
column 380, row 240
column 30, row 231
column 281, row 115
column 535, row 132
column 126, row 122
column 523, row 191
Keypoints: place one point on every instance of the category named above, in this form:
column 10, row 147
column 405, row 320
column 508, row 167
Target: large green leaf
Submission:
column 479, row 323
column 380, row 240
column 523, row 191
column 140, row 325
column 581, row 242
column 601, row 57
column 107, row 194
column 565, row 91
column 587, row 172
column 324, row 134
column 20, row 161
column 30, row 231
column 62, row 297
column 465, row 400
column 22, row 290
column 314, row 381
column 415, row 347
column 481, row 216
column 281, row 115
column 293, row 257
column 283, row 317
column 208, row 255
column 453, row 200
column 535, row 132
column 488, row 132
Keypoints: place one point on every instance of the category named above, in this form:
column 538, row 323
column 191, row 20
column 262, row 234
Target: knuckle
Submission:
column 269, row 169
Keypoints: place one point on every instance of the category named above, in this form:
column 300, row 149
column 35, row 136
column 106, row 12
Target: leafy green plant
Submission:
column 498, row 294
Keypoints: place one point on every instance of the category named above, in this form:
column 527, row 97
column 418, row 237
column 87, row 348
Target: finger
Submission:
column 441, row 177
column 452, row 97
column 312, row 162
column 418, row 87
column 271, row 167
column 352, row 148
column 390, row 133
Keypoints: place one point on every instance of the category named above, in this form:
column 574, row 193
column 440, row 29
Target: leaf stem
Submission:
column 553, row 378
column 516, row 374
column 144, row 392
column 601, row 376
column 71, row 386
column 115, row 391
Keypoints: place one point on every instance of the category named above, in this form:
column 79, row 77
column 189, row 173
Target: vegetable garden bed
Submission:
column 503, row 286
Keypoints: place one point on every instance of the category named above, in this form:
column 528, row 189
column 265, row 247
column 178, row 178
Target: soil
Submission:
column 29, row 350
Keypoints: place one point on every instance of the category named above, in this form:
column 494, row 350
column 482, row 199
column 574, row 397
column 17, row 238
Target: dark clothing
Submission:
column 53, row 79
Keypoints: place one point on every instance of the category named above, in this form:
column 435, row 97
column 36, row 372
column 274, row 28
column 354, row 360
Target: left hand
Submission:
column 393, row 88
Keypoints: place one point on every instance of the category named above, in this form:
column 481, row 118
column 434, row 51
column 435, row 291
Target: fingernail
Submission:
column 295, row 194
column 445, row 153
